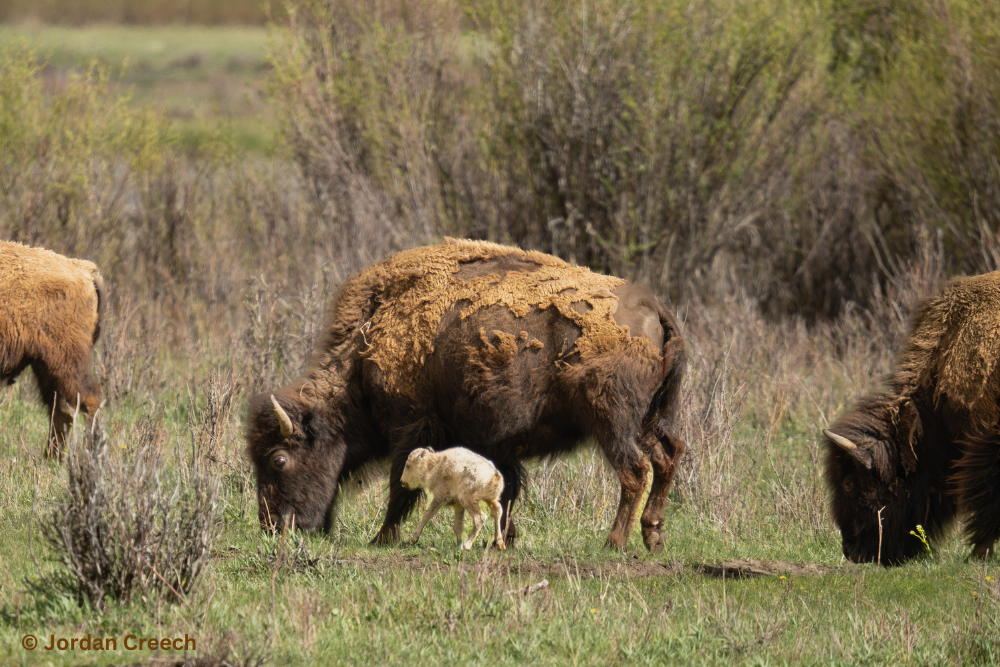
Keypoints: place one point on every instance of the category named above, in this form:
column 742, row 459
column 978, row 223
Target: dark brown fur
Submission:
column 930, row 448
column 509, row 388
column 50, row 312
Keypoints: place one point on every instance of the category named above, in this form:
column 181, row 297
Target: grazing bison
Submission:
column 929, row 448
column 50, row 318
column 515, row 354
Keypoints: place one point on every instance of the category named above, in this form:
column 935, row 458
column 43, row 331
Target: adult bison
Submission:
column 514, row 354
column 929, row 448
column 50, row 318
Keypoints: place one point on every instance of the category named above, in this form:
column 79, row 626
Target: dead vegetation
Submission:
column 123, row 527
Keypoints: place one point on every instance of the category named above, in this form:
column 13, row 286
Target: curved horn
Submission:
column 283, row 420
column 841, row 441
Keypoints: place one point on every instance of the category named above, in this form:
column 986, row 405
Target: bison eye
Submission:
column 279, row 460
column 849, row 485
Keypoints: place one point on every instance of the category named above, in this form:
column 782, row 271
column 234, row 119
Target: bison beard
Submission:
column 515, row 354
column 930, row 448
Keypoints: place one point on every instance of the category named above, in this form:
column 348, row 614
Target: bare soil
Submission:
column 632, row 568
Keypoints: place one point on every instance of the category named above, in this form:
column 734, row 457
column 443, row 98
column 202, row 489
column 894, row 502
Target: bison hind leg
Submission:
column 978, row 480
column 632, row 468
column 664, row 451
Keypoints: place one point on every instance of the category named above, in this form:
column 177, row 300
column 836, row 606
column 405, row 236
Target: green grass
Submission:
column 318, row 599
column 208, row 80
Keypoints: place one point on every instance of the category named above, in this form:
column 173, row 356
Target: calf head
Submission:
column 871, row 471
column 297, row 458
column 414, row 472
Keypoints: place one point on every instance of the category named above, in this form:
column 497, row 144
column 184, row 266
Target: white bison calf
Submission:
column 459, row 478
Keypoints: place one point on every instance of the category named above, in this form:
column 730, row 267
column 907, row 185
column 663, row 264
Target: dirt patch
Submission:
column 751, row 567
column 532, row 569
column 632, row 568
column 511, row 565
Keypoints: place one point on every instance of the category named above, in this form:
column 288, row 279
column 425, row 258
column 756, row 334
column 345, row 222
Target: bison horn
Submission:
column 283, row 419
column 841, row 441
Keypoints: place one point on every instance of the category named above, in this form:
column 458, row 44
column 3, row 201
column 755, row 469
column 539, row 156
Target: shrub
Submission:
column 124, row 526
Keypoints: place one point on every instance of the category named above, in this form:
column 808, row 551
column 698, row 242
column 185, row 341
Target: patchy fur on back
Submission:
column 930, row 448
column 50, row 309
column 395, row 306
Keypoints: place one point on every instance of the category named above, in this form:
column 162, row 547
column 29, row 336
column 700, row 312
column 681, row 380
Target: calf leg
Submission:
column 478, row 519
column 632, row 467
column 664, row 451
column 401, row 503
column 459, row 522
column 435, row 506
column 497, row 511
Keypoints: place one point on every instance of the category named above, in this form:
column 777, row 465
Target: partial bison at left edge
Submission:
column 515, row 354
column 929, row 449
column 50, row 310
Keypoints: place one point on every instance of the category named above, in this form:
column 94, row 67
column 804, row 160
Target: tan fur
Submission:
column 49, row 319
column 460, row 478
column 954, row 347
column 415, row 288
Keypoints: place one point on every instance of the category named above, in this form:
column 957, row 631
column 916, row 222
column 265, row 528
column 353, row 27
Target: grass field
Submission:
column 751, row 573
column 206, row 79
column 216, row 275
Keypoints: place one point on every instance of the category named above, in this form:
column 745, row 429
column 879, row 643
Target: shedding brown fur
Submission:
column 50, row 308
column 399, row 336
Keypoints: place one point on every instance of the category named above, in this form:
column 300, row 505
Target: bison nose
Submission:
column 855, row 553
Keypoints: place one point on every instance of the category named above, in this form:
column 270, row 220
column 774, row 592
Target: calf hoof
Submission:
column 653, row 540
column 510, row 536
column 500, row 546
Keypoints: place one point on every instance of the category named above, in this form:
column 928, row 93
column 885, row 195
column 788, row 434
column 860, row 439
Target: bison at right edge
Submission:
column 930, row 447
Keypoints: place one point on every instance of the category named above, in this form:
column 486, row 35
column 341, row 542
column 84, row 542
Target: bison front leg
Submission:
column 978, row 480
column 401, row 503
column 64, row 396
column 632, row 468
column 664, row 452
column 512, row 476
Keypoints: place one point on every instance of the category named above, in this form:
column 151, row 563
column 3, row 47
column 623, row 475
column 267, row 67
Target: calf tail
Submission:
column 663, row 407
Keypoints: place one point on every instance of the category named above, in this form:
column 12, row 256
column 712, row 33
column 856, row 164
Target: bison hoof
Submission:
column 614, row 543
column 982, row 551
column 654, row 541
column 384, row 539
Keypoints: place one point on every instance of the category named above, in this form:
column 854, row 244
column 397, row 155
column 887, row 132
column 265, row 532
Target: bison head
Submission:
column 296, row 457
column 871, row 470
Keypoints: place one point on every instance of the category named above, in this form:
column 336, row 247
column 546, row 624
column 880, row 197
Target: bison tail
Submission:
column 664, row 404
column 99, row 289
